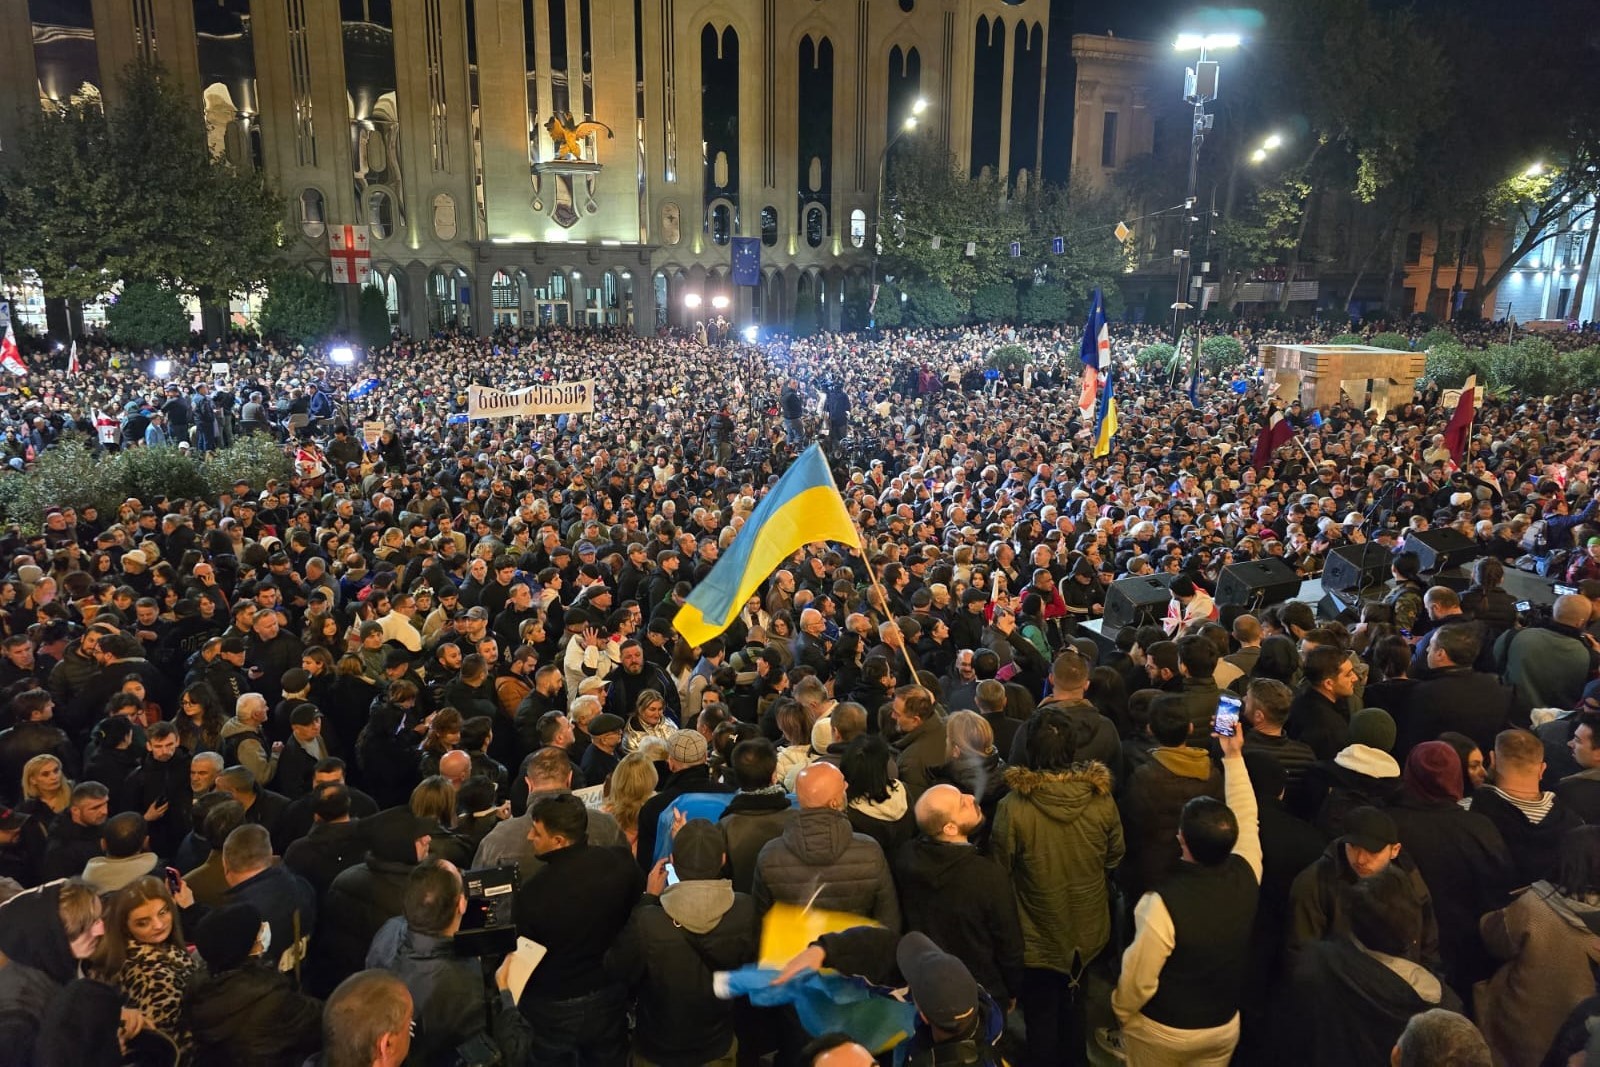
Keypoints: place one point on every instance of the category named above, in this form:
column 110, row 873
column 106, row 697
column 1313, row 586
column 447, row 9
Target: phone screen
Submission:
column 672, row 875
column 1227, row 718
column 1524, row 605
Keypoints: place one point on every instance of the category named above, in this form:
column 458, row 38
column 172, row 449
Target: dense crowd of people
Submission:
column 261, row 748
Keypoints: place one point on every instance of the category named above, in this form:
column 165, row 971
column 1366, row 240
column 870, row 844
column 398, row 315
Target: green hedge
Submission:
column 1158, row 355
column 1221, row 354
column 72, row 473
column 1397, row 342
column 1347, row 339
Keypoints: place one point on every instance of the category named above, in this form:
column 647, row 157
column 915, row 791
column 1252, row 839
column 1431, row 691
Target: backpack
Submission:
column 1535, row 537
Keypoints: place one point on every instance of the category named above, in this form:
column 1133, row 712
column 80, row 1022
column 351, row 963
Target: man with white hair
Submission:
column 243, row 742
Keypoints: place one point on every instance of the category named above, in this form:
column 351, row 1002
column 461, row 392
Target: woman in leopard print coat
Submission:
column 144, row 955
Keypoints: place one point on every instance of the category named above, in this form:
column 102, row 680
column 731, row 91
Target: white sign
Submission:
column 558, row 398
column 219, row 370
column 1451, row 397
column 370, row 432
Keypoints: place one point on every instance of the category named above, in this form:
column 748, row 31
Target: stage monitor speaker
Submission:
column 1355, row 567
column 1136, row 602
column 1258, row 583
column 1340, row 607
column 1442, row 549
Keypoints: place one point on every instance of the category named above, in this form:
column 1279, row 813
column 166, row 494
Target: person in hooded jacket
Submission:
column 45, row 935
column 1361, row 774
column 361, row 899
column 244, row 1013
column 1058, row 834
column 1155, row 793
column 1460, row 854
column 1349, row 996
column 675, row 942
column 959, row 897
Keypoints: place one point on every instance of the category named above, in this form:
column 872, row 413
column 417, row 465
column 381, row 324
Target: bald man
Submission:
column 959, row 897
column 1549, row 665
column 456, row 766
column 810, row 646
column 819, row 859
column 839, row 1052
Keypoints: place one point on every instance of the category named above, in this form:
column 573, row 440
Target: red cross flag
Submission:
column 352, row 259
column 10, row 357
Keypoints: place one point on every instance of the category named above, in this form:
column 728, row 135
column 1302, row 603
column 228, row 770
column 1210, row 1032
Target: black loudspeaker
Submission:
column 1441, row 549
column 1135, row 602
column 1340, row 607
column 1355, row 567
column 1258, row 583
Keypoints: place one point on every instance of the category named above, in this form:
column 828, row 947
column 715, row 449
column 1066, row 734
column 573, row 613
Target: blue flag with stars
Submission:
column 746, row 261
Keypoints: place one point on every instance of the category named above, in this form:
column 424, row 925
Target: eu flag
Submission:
column 746, row 261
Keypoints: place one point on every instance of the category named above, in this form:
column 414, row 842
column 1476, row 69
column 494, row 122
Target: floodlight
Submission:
column 691, row 300
column 751, row 333
column 163, row 368
column 719, row 302
column 343, row 355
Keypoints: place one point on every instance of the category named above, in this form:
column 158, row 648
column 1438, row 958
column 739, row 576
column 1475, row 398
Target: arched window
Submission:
column 380, row 213
column 816, row 225
column 721, row 223
column 670, row 224
column 769, row 225
column 858, row 227
column 313, row 221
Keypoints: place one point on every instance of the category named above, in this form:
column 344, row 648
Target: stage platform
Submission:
column 1520, row 584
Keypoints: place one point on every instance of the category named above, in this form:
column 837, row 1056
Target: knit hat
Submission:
column 295, row 679
column 687, row 747
column 1433, row 772
column 697, row 850
column 226, row 935
column 1374, row 728
column 942, row 988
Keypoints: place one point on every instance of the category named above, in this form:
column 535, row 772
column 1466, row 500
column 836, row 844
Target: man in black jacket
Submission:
column 1314, row 717
column 758, row 812
column 75, row 833
column 1453, row 696
column 283, row 898
column 959, row 897
column 574, row 1007
column 160, row 788
column 362, row 898
column 676, row 940
column 33, row 735
column 1531, row 820
column 335, row 841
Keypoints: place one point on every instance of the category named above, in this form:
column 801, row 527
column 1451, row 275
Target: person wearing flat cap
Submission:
column 688, row 772
column 958, row 1022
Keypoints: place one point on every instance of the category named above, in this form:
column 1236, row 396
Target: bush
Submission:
column 1525, row 366
column 146, row 315
column 70, row 473
column 163, row 471
column 996, row 302
column 372, row 317
column 931, row 303
column 1221, row 354
column 1398, row 342
column 1580, row 370
column 1347, row 339
column 255, row 458
column 889, row 310
column 1435, row 337
column 1009, row 356
column 298, row 308
column 1155, row 357
column 1449, row 363
column 1044, row 305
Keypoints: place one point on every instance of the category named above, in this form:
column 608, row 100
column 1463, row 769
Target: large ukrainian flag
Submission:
column 804, row 507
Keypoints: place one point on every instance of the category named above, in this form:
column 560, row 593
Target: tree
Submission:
column 298, row 308
column 1043, row 305
column 1156, row 356
column 372, row 317
column 995, row 302
column 146, row 314
column 1221, row 353
column 931, row 303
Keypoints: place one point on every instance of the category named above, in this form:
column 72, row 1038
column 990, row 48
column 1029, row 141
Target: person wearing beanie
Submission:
column 683, row 932
column 1319, row 899
column 1361, row 773
column 688, row 772
column 1460, row 855
column 362, row 898
column 244, row 1012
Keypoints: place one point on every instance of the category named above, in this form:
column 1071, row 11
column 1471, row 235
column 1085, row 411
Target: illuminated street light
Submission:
column 920, row 106
column 1273, row 142
column 1209, row 42
column 691, row 300
column 163, row 368
column 342, row 355
column 1258, row 156
column 910, row 123
column 719, row 302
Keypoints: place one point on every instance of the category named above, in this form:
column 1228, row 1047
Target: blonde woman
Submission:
column 630, row 785
column 649, row 719
column 434, row 799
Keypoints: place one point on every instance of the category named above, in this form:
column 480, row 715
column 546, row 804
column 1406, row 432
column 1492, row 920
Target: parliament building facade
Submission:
column 429, row 123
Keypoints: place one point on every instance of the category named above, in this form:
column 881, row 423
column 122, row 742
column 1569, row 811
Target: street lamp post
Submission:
column 906, row 127
column 1199, row 87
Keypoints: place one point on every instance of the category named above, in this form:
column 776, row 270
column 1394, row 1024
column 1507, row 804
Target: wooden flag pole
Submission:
column 884, row 598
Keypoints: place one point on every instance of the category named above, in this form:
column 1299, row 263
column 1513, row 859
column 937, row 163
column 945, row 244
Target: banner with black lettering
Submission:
column 558, row 398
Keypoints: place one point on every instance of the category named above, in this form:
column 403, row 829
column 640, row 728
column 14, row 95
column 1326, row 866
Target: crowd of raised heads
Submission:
column 286, row 769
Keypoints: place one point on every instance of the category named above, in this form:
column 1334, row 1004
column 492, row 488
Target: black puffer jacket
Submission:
column 820, row 858
column 251, row 1017
column 38, row 962
column 667, row 954
column 363, row 898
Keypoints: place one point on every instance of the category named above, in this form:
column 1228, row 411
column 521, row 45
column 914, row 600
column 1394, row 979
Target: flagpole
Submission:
column 883, row 598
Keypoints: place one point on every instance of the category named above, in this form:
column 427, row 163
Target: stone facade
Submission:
column 424, row 120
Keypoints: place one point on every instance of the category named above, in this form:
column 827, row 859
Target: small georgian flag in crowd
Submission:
column 10, row 357
column 73, row 368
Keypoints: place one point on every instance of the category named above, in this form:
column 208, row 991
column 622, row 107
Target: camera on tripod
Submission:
column 489, row 927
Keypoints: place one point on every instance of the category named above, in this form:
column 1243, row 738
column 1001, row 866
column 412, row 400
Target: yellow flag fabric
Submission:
column 1108, row 430
column 804, row 507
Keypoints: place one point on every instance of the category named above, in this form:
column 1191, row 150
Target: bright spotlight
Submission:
column 1258, row 156
column 751, row 333
column 719, row 302
column 163, row 368
column 343, row 355
column 691, row 300
column 1534, row 170
column 910, row 122
column 920, row 106
column 1273, row 142
column 1190, row 42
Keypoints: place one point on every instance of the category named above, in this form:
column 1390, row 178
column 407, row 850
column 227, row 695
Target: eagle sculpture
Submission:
column 567, row 135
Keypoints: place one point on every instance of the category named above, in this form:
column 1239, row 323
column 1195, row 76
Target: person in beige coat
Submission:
column 1549, row 940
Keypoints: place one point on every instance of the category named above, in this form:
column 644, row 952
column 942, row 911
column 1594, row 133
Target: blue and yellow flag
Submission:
column 805, row 506
column 1105, row 423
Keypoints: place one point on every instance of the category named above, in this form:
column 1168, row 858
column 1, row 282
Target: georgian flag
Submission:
column 10, row 357
column 1095, row 352
column 73, row 369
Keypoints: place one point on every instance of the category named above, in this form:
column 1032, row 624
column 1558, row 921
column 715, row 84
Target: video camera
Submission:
column 489, row 927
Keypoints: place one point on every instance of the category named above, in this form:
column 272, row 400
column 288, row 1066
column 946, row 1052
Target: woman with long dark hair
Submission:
column 200, row 719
